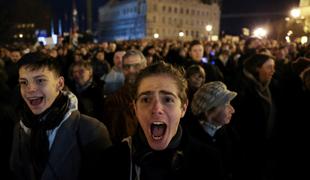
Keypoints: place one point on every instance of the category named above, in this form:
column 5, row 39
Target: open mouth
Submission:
column 158, row 130
column 35, row 101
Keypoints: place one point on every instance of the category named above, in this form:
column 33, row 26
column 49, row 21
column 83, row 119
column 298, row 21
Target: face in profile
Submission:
column 221, row 115
column 159, row 109
column 196, row 52
column 266, row 71
column 39, row 88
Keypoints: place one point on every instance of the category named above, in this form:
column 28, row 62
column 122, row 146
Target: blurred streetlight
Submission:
column 260, row 32
column 209, row 28
column 297, row 24
column 295, row 13
column 304, row 39
column 156, row 35
column 181, row 34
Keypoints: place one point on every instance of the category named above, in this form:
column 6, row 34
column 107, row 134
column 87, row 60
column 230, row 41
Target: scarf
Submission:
column 156, row 164
column 39, row 124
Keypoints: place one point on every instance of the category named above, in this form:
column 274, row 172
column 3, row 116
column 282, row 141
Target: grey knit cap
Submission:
column 210, row 95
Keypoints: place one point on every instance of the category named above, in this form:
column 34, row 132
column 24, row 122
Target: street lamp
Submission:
column 295, row 13
column 297, row 23
column 209, row 28
column 260, row 32
column 181, row 34
column 156, row 35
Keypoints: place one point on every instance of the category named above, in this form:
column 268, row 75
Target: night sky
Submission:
column 235, row 13
column 248, row 13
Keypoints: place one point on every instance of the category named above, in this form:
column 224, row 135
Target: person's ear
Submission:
column 61, row 83
column 184, row 108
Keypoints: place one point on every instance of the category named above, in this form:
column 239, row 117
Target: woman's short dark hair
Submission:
column 193, row 69
column 256, row 61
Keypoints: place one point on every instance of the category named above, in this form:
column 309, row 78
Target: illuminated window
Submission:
column 155, row 7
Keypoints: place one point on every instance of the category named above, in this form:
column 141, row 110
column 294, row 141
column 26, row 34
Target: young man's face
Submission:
column 159, row 109
column 196, row 52
column 39, row 88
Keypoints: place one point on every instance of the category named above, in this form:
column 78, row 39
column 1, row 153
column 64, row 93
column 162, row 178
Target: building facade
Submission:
column 163, row 19
column 305, row 13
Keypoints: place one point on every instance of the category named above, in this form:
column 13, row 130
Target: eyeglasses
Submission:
column 135, row 66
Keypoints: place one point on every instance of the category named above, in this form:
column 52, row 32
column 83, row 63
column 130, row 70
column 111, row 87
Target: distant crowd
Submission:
column 155, row 109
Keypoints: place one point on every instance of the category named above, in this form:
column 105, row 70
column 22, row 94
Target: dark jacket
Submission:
column 188, row 160
column 254, row 119
column 91, row 99
column 119, row 115
column 226, row 141
column 74, row 154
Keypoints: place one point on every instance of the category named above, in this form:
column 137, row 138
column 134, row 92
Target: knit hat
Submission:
column 210, row 95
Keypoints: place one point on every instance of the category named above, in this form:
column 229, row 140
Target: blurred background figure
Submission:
column 255, row 118
column 115, row 78
column 118, row 112
column 196, row 77
column 88, row 90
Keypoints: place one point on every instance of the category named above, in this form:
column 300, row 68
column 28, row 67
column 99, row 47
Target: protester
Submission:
column 53, row 140
column 160, row 149
column 213, row 111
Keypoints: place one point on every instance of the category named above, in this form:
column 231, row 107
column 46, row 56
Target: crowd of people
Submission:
column 155, row 109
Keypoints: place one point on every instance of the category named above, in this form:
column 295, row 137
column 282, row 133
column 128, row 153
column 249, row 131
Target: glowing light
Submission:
column 304, row 39
column 156, row 35
column 260, row 32
column 181, row 34
column 209, row 27
column 287, row 38
column 290, row 32
column 295, row 13
column 214, row 38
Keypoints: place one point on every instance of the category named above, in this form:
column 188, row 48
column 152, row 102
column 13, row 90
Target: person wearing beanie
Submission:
column 212, row 113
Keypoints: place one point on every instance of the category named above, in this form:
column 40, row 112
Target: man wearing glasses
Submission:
column 119, row 114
